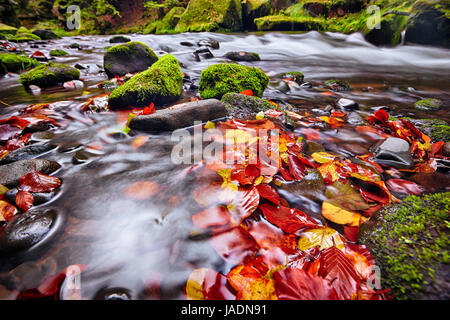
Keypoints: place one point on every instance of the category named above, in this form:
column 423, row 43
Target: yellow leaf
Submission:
column 261, row 289
column 3, row 189
column 258, row 180
column 329, row 169
column 340, row 216
column 323, row 157
column 323, row 237
column 238, row 136
column 210, row 125
column 260, row 115
column 194, row 285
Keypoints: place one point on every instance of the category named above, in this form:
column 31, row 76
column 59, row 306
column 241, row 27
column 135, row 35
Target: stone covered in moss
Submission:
column 296, row 76
column 128, row 58
column 220, row 79
column 241, row 106
column 161, row 84
column 390, row 32
column 338, row 84
column 211, row 15
column 48, row 75
column 437, row 130
column 429, row 23
column 428, row 104
column 46, row 34
column 10, row 62
column 410, row 243
column 58, row 53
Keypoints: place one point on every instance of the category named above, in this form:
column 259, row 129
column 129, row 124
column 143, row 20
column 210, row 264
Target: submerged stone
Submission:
column 12, row 172
column 49, row 75
column 242, row 56
column 28, row 152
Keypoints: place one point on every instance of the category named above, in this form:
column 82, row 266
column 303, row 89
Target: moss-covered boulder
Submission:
column 119, row 39
column 241, row 106
column 58, row 53
column 437, row 130
column 49, row 75
column 428, row 104
column 287, row 23
column 220, row 79
column 295, row 76
column 338, row 85
column 410, row 243
column 10, row 62
column 161, row 84
column 390, row 32
column 46, row 34
column 128, row 58
column 211, row 15
column 429, row 23
column 252, row 9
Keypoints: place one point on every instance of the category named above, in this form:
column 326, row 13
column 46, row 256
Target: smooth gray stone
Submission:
column 394, row 152
column 180, row 116
column 347, row 104
column 27, row 152
column 12, row 172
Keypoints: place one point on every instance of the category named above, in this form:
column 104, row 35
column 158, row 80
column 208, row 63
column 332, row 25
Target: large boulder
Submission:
column 409, row 242
column 252, row 9
column 128, row 58
column 219, row 79
column 10, row 62
column 179, row 116
column 211, row 15
column 24, row 35
column 241, row 106
column 390, row 32
column 46, row 34
column 168, row 23
column 161, row 84
column 49, row 75
column 429, row 23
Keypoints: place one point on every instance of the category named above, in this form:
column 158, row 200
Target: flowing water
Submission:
column 130, row 244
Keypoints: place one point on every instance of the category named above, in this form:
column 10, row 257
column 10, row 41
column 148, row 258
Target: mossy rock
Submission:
column 338, row 85
column 58, row 53
column 46, row 34
column 296, row 76
column 437, row 130
column 128, row 58
column 211, row 15
column 410, row 243
column 220, row 79
column 252, row 9
column 390, row 32
column 285, row 23
column 161, row 84
column 10, row 62
column 49, row 75
column 119, row 39
column 429, row 23
column 244, row 107
column 428, row 104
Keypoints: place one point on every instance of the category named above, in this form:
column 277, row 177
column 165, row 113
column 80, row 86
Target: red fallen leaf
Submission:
column 371, row 191
column 37, row 54
column 311, row 134
column 247, row 92
column 17, row 122
column 49, row 288
column 234, row 245
column 212, row 217
column 340, row 272
column 241, row 275
column 267, row 192
column 252, row 170
column 404, row 186
column 296, row 167
column 9, row 131
column 338, row 114
column 17, row 143
column 244, row 203
column 7, row 211
column 38, row 182
column 24, row 200
column 286, row 175
column 287, row 219
column 351, row 233
column 297, row 284
column 380, row 116
column 240, row 175
column 148, row 110
column 436, row 148
column 141, row 190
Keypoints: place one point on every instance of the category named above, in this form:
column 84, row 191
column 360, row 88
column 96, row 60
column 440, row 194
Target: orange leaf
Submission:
column 7, row 211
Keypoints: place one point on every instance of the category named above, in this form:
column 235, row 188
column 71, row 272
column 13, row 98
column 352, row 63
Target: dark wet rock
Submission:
column 219, row 79
column 242, row 56
column 180, row 116
column 209, row 43
column 245, row 107
column 128, row 58
column 317, row 8
column 295, row 76
column 119, row 39
column 26, row 230
column 161, row 84
column 113, row 294
column 347, row 104
column 432, row 182
column 313, row 147
column 428, row 104
column 429, row 23
column 338, row 85
column 390, row 31
column 45, row 34
column 394, row 152
column 89, row 68
column 204, row 52
column 42, row 136
column 165, row 48
column 283, row 87
column 69, row 146
column 355, row 119
column 12, row 172
column 187, row 44
column 355, row 149
column 446, row 149
column 48, row 75
column 407, row 241
column 38, row 197
column 28, row 152
column 75, row 46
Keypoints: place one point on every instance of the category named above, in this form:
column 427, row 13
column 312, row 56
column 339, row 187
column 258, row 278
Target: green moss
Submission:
column 296, row 76
column 211, row 15
column 58, row 53
column 48, row 75
column 219, row 79
column 428, row 104
column 338, row 84
column 161, row 84
column 411, row 244
column 285, row 23
column 10, row 62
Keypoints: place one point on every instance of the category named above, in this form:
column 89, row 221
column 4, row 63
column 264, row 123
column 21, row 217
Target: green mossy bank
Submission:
column 161, row 84
column 49, row 75
column 10, row 62
column 410, row 243
column 220, row 79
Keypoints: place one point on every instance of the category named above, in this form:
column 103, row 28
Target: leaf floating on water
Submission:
column 323, row 237
column 340, row 216
column 38, row 182
column 212, row 217
column 141, row 190
column 24, row 200
column 234, row 245
column 287, row 219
